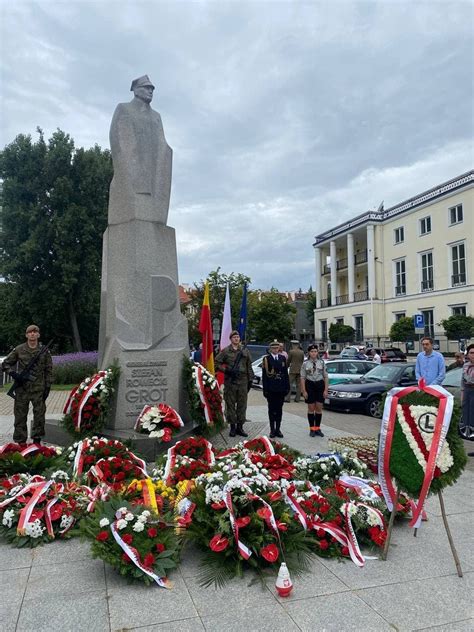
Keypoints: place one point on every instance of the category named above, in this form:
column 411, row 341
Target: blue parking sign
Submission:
column 419, row 323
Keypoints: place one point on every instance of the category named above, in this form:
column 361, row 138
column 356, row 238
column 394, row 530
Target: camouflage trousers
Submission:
column 296, row 379
column 20, row 410
column 235, row 397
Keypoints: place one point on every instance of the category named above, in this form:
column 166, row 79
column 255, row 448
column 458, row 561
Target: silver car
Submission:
column 345, row 369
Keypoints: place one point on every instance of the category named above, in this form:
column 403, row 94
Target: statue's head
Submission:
column 143, row 88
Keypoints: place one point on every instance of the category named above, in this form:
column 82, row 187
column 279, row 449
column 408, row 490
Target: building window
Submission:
column 399, row 315
column 359, row 328
column 458, row 310
column 425, row 225
column 339, row 321
column 324, row 330
column 429, row 322
column 400, row 278
column 427, row 284
column 455, row 214
column 399, row 235
column 458, row 257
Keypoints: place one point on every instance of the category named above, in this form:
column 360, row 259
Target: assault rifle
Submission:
column 25, row 375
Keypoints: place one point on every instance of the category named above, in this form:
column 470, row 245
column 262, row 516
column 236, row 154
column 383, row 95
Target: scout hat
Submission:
column 140, row 82
column 313, row 346
column 32, row 328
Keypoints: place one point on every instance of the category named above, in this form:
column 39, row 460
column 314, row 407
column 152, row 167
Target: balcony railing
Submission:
column 361, row 296
column 342, row 299
column 458, row 279
column 427, row 286
column 325, row 302
column 326, row 269
column 400, row 290
column 342, row 264
column 360, row 257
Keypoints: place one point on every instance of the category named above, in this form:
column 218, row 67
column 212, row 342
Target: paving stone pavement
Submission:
column 60, row 587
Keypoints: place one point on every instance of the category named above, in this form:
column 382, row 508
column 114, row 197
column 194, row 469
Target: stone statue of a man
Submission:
column 142, row 160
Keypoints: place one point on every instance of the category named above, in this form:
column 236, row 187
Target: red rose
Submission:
column 149, row 560
column 323, row 544
column 120, row 476
column 160, row 547
column 127, row 538
column 324, row 508
column 320, row 533
column 152, row 532
column 242, row 522
column 345, row 550
column 269, row 553
column 218, row 543
column 102, row 536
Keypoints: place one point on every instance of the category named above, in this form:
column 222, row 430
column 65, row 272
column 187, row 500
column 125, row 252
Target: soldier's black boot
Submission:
column 272, row 430
column 278, row 432
column 232, row 430
column 240, row 431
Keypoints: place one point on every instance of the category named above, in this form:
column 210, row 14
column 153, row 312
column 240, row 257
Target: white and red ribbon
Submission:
column 68, row 404
column 97, row 379
column 134, row 556
column 25, row 514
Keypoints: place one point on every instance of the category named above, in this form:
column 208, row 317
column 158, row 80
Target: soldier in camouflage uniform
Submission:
column 35, row 390
column 236, row 364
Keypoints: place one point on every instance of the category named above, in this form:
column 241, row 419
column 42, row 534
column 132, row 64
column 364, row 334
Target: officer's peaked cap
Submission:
column 141, row 81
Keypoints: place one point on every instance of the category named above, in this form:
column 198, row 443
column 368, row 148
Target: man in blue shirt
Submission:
column 429, row 363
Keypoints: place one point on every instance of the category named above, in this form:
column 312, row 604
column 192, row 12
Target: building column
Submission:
column 371, row 259
column 332, row 254
column 350, row 266
column 317, row 287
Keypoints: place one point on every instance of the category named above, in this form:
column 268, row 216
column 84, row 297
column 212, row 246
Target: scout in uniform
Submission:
column 314, row 386
column 236, row 364
column 33, row 388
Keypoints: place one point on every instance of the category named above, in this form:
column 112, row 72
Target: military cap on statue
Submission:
column 140, row 82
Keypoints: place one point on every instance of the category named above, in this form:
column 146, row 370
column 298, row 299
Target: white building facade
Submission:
column 414, row 258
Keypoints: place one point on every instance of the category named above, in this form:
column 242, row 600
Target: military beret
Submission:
column 234, row 333
column 311, row 347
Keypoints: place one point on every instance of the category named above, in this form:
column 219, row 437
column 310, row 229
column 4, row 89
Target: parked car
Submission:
column 452, row 383
column 349, row 352
column 257, row 372
column 365, row 394
column 391, row 354
column 345, row 370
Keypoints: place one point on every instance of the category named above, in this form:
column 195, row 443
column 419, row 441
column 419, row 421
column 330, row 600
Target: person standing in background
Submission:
column 276, row 385
column 295, row 360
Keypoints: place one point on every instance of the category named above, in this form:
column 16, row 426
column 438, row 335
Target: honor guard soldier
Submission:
column 295, row 361
column 276, row 386
column 31, row 366
column 236, row 364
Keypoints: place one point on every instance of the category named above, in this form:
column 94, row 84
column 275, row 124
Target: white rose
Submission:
column 121, row 524
column 104, row 522
column 138, row 526
column 129, row 517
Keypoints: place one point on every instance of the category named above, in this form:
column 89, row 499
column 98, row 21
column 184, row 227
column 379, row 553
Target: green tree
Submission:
column 217, row 287
column 458, row 326
column 270, row 316
column 403, row 330
column 338, row 332
column 311, row 306
column 54, row 213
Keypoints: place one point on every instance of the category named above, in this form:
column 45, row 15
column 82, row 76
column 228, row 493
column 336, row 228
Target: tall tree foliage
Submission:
column 54, row 214
column 403, row 330
column 458, row 326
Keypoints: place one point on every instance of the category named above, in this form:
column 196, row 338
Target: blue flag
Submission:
column 243, row 314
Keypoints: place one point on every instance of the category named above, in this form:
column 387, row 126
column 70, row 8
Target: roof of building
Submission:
column 381, row 214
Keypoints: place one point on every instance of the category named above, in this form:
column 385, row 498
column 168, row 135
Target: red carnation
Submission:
column 152, row 532
column 269, row 553
column 160, row 547
column 127, row 538
column 102, row 536
column 323, row 544
column 149, row 560
column 218, row 543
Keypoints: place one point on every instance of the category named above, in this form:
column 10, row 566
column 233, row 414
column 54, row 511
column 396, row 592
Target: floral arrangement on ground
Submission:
column 20, row 458
column 204, row 398
column 140, row 544
column 88, row 405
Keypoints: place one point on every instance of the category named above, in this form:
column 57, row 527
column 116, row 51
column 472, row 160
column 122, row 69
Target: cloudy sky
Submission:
column 286, row 118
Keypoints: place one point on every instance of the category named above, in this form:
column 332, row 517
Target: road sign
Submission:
column 419, row 323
